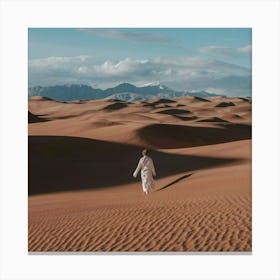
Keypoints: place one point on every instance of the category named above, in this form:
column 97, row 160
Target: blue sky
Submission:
column 212, row 59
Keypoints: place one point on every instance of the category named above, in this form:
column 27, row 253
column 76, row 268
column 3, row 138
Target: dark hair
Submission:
column 145, row 151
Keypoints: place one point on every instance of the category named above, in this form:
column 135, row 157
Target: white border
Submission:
column 262, row 16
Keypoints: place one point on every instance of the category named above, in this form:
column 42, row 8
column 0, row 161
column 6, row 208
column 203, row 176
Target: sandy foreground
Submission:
column 82, row 196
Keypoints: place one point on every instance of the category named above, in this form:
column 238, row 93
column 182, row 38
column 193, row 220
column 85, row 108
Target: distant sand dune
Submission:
column 191, row 118
column 225, row 104
column 35, row 119
column 162, row 101
column 116, row 106
column 42, row 98
column 173, row 112
column 94, row 108
column 196, row 98
column 213, row 119
column 244, row 99
column 167, row 136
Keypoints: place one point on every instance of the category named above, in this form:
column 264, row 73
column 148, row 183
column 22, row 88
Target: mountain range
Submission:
column 124, row 91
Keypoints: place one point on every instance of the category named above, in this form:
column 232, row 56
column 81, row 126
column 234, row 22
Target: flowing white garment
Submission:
column 147, row 168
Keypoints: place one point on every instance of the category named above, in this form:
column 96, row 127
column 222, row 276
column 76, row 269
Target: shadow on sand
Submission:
column 60, row 163
column 170, row 136
column 35, row 118
column 174, row 182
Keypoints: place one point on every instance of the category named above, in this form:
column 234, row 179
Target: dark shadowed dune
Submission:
column 173, row 112
column 186, row 118
column 236, row 128
column 214, row 119
column 35, row 118
column 244, row 99
column 225, row 104
column 162, row 101
column 59, row 163
column 116, row 106
column 169, row 136
column 196, row 98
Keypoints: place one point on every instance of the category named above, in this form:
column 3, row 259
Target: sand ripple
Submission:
column 187, row 216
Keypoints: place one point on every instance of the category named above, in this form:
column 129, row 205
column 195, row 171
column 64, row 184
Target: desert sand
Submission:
column 82, row 196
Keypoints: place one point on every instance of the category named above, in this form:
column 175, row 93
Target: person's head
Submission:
column 145, row 152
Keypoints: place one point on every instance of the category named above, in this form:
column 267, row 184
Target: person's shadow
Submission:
column 174, row 182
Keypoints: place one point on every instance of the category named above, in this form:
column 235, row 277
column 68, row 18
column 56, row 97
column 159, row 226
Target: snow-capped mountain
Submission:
column 124, row 91
column 158, row 84
column 128, row 96
column 66, row 92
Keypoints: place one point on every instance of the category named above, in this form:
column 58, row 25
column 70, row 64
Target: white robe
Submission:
column 147, row 168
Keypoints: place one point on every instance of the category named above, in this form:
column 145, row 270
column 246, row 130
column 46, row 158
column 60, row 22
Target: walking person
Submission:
column 147, row 168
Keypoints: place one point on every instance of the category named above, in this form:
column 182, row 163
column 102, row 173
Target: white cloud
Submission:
column 227, row 51
column 54, row 60
column 246, row 49
column 183, row 73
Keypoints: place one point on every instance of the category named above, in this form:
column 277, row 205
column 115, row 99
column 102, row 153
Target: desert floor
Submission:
column 82, row 196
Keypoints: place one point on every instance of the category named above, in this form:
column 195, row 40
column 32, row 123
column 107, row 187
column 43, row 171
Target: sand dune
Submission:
column 41, row 98
column 34, row 119
column 174, row 112
column 116, row 106
column 213, row 119
column 55, row 110
column 76, row 163
column 245, row 99
column 201, row 210
column 167, row 136
column 225, row 104
column 82, row 196
column 195, row 98
column 186, row 118
column 162, row 101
